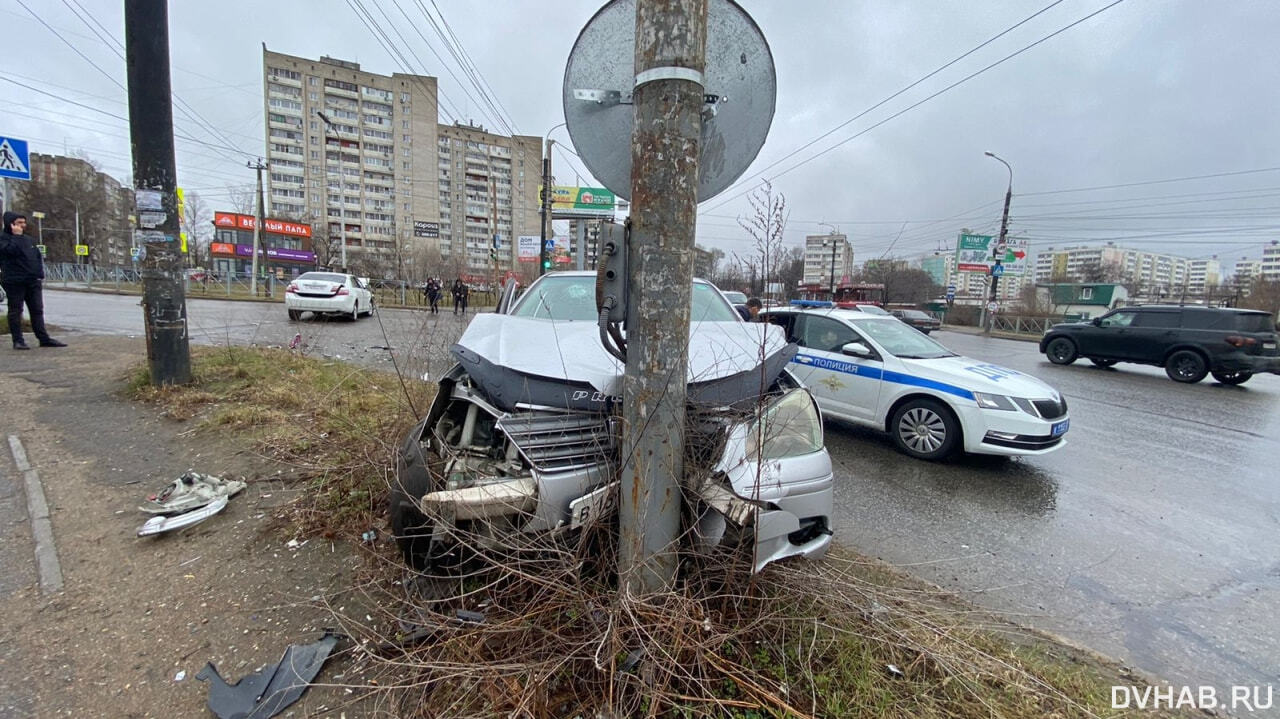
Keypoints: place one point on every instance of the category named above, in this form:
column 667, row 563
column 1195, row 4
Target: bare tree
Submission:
column 58, row 196
column 766, row 226
column 1263, row 294
column 197, row 222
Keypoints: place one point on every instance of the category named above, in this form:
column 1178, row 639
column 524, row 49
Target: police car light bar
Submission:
column 812, row 303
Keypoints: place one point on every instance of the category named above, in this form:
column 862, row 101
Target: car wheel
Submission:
column 1186, row 366
column 295, row 315
column 925, row 429
column 1232, row 378
column 410, row 527
column 355, row 311
column 1061, row 351
column 1102, row 362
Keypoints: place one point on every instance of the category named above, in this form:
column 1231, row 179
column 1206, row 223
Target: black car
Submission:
column 1189, row 342
column 922, row 321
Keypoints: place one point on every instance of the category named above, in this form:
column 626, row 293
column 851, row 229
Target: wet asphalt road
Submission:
column 1153, row 536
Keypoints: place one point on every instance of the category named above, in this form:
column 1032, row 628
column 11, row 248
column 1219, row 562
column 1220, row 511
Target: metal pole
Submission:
column 543, row 255
column 77, row 204
column 670, row 56
column 146, row 30
column 1000, row 247
column 257, row 231
column 833, row 268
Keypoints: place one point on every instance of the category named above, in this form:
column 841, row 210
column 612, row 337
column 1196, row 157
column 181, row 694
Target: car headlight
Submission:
column 993, row 401
column 788, row 427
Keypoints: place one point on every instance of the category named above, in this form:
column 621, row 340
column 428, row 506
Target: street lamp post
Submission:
column 342, row 193
column 39, row 226
column 998, row 253
column 545, row 210
column 834, row 246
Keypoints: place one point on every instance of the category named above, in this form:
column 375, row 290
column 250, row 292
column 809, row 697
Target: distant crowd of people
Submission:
column 433, row 288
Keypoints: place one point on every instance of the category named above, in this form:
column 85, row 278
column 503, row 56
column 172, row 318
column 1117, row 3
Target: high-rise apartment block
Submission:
column 1145, row 269
column 364, row 159
column 828, row 259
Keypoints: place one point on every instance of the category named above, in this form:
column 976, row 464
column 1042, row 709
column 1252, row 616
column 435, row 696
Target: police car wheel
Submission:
column 925, row 429
column 1062, row 351
column 1232, row 378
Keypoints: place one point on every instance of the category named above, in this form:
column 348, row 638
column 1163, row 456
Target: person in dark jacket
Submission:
column 433, row 294
column 460, row 293
column 21, row 275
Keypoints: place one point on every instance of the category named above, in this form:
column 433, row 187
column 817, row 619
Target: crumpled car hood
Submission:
column 511, row 357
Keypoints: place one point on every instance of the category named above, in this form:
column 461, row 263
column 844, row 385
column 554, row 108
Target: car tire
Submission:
column 925, row 429
column 411, row 529
column 1061, row 350
column 1099, row 362
column 1232, row 378
column 295, row 315
column 355, row 311
column 1186, row 366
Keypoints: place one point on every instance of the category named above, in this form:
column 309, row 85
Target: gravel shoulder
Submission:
column 137, row 613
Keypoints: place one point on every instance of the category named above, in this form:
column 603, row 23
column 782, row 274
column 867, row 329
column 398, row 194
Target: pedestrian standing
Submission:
column 433, row 295
column 460, row 292
column 21, row 275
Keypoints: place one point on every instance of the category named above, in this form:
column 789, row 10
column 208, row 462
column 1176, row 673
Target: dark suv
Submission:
column 1189, row 342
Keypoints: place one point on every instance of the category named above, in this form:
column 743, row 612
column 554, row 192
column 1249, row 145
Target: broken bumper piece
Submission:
column 517, row 496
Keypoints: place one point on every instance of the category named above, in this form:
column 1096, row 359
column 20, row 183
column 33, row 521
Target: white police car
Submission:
column 878, row 371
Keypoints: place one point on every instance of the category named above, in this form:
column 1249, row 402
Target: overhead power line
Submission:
column 914, row 105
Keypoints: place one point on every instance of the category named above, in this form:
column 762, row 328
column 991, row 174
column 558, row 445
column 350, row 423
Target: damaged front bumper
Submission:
column 485, row 471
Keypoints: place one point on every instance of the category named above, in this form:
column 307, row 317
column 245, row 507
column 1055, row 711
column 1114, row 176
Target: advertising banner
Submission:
column 527, row 248
column 973, row 254
column 426, row 229
column 247, row 222
column 583, row 200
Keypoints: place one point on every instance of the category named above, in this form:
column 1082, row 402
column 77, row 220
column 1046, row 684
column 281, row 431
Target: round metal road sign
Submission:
column 739, row 83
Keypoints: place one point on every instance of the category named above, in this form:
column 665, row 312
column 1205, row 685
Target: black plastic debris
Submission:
column 273, row 688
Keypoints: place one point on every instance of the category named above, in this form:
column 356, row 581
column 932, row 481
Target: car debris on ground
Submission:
column 187, row 501
column 271, row 689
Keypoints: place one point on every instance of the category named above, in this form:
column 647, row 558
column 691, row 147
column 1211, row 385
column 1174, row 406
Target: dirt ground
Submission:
column 139, row 617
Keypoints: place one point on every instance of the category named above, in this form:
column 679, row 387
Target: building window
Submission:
column 404, row 97
column 1086, row 293
column 404, row 124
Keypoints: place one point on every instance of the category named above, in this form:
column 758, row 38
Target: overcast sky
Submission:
column 1146, row 94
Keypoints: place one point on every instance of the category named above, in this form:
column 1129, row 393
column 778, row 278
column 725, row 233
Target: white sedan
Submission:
column 328, row 293
column 877, row 371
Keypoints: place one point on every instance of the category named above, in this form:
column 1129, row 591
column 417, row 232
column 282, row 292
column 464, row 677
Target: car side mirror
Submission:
column 1097, row 321
column 857, row 349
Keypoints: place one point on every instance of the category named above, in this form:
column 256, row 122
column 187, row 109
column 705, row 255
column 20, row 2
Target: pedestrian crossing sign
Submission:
column 14, row 161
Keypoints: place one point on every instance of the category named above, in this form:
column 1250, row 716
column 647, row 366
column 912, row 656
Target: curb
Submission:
column 49, row 569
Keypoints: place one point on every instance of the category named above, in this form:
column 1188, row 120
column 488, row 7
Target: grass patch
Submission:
column 844, row 637
column 335, row 425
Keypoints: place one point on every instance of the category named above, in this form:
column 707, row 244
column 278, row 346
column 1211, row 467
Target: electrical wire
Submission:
column 914, row 105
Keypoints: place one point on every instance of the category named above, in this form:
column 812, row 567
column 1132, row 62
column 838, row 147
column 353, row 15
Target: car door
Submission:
column 1151, row 334
column 1109, row 336
column 844, row 384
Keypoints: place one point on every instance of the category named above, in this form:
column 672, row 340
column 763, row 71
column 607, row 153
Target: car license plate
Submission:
column 1060, row 428
column 1268, row 345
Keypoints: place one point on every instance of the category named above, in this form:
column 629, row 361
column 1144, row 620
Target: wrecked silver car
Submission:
column 523, row 433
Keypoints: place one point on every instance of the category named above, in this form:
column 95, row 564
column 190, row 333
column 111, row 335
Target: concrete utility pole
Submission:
column 257, row 229
column 146, row 34
column 671, row 41
column 998, row 252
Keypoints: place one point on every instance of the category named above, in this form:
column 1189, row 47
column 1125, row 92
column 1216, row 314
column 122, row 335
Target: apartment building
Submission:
column 65, row 189
column 363, row 158
column 1203, row 275
column 1145, row 269
column 1244, row 270
column 1269, row 267
column 825, row 257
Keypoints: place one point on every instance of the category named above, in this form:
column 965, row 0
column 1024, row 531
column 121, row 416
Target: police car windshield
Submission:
column 573, row 297
column 902, row 340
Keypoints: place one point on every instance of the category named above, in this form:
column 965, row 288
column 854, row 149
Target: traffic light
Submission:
column 546, row 264
column 493, row 254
